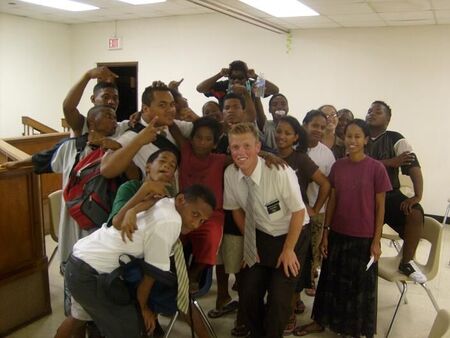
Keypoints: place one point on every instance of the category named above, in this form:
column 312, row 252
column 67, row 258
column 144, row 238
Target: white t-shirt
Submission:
column 277, row 196
column 69, row 232
column 141, row 157
column 158, row 229
column 324, row 158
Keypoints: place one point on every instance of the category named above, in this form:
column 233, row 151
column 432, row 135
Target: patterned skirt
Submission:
column 346, row 296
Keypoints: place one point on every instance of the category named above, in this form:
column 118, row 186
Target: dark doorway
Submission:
column 127, row 84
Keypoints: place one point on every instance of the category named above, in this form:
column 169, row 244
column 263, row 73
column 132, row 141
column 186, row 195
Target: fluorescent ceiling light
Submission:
column 142, row 2
column 67, row 5
column 281, row 8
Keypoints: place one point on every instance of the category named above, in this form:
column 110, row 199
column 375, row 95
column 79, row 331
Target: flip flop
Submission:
column 305, row 330
column 299, row 306
column 227, row 308
column 290, row 326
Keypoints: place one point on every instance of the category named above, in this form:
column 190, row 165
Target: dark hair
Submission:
column 327, row 105
column 345, row 111
column 276, row 95
column 387, row 109
column 302, row 142
column 155, row 155
column 238, row 65
column 95, row 111
column 147, row 95
column 208, row 102
column 103, row 85
column 210, row 123
column 361, row 124
column 234, row 96
column 312, row 114
column 197, row 191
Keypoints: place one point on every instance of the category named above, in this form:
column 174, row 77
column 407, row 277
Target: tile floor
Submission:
column 414, row 319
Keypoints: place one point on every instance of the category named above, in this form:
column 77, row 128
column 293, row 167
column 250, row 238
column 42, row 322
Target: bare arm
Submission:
column 417, row 180
column 288, row 257
column 375, row 248
column 239, row 219
column 324, row 190
column 143, row 292
column 260, row 116
column 177, row 135
column 115, row 163
column 72, row 100
column 329, row 212
column 150, row 192
column 270, row 89
column 206, row 85
column 17, row 164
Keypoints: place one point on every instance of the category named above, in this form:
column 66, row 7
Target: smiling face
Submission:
column 244, row 151
column 331, row 114
column 285, row 135
column 278, row 107
column 163, row 167
column 355, row 140
column 193, row 212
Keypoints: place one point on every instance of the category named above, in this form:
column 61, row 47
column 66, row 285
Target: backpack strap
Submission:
column 161, row 142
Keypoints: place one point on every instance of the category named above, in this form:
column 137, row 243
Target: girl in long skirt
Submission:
column 346, row 297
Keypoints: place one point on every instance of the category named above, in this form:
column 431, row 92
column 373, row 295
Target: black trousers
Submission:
column 115, row 321
column 267, row 320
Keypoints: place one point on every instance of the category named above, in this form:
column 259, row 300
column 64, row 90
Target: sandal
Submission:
column 312, row 291
column 240, row 331
column 290, row 326
column 299, row 307
column 307, row 329
column 227, row 308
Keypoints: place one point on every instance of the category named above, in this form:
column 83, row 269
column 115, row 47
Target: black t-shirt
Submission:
column 388, row 145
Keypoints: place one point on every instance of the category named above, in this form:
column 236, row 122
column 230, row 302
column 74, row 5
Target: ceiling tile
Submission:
column 400, row 5
column 343, row 8
column 400, row 16
column 440, row 4
column 443, row 14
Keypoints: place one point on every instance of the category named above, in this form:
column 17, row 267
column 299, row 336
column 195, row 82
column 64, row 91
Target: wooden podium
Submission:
column 24, row 282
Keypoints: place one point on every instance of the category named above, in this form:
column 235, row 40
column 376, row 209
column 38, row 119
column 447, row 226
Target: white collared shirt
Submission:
column 158, row 229
column 141, row 157
column 277, row 195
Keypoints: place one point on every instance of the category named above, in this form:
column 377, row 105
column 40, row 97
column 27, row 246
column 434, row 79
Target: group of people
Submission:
column 271, row 201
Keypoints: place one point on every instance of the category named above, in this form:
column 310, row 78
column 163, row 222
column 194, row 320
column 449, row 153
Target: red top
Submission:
column 207, row 171
column 356, row 184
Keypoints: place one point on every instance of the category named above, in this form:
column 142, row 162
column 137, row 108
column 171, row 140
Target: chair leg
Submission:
column 402, row 294
column 53, row 255
column 205, row 320
column 171, row 324
column 430, row 295
column 400, row 288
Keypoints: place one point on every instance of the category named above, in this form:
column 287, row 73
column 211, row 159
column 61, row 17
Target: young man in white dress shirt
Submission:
column 267, row 205
column 97, row 255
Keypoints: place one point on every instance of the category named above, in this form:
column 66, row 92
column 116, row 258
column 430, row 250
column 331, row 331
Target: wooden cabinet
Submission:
column 24, row 285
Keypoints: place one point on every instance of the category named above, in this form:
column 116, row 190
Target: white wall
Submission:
column 34, row 72
column 407, row 67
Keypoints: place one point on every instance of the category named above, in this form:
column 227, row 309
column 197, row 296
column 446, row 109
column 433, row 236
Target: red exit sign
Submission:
column 114, row 43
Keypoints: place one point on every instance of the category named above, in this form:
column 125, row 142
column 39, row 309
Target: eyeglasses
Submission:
column 329, row 116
